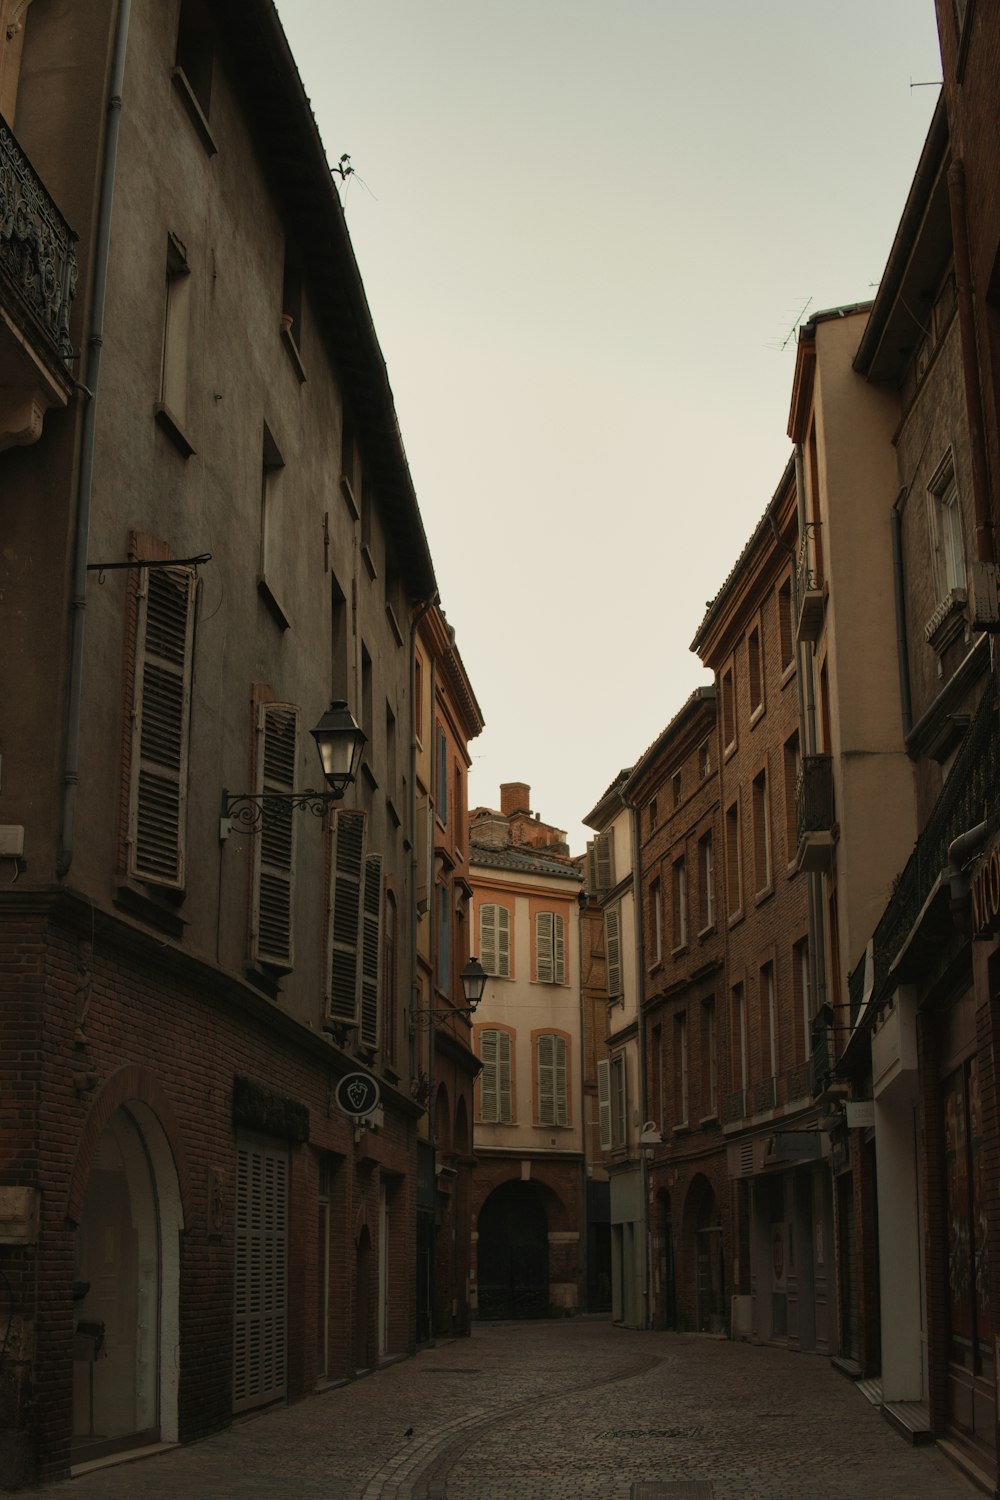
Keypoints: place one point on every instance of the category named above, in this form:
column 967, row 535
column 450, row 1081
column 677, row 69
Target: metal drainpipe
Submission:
column 807, row 715
column 970, row 362
column 902, row 649
column 582, row 903
column 640, row 986
column 427, row 605
column 85, row 478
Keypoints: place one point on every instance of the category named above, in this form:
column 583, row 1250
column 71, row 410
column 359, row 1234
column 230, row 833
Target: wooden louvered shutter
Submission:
column 543, row 947
column 488, row 955
column 371, row 950
column 558, row 950
column 488, row 1095
column 505, row 1090
column 613, row 950
column 604, row 1102
column 261, row 1275
column 161, row 711
column 604, row 861
column 347, row 874
column 552, row 1103
column 275, row 848
column 503, row 942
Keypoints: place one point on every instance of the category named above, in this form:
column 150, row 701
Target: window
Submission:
column 494, row 939
column 706, row 871
column 792, row 766
column 271, row 468
column 291, row 298
column 656, row 1101
column 676, row 788
column 195, row 62
column 390, row 978
column 705, row 760
column 728, row 710
column 496, row 1101
column 348, row 465
column 619, row 1100
column 443, row 896
column 391, row 769
column 761, row 834
column 457, row 805
column 367, row 509
column 734, row 880
column 171, row 410
column 656, row 917
column 552, row 1103
column 755, row 675
column 339, row 646
column 678, row 877
column 347, row 876
column 418, row 699
column 652, row 814
column 709, row 1060
column 947, row 542
column 739, row 1035
column 801, row 994
column 601, row 863
column 768, row 1021
column 371, row 950
column 160, row 713
column 550, row 948
column 681, row 1069
column 613, row 950
column 441, row 742
column 785, row 630
column 274, row 846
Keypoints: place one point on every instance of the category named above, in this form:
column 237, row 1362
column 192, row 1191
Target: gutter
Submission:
column 85, row 481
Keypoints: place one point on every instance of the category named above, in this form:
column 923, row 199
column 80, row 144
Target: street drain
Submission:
column 672, row 1489
column 639, row 1434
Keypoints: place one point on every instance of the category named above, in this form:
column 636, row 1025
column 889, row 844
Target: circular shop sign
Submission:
column 358, row 1094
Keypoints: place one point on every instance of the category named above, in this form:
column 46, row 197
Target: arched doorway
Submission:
column 125, row 1291
column 704, row 1216
column 363, row 1308
column 513, row 1254
column 668, row 1272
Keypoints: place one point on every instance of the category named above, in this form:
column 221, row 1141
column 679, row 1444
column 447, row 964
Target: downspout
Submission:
column 970, row 363
column 85, row 477
column 960, row 851
column 807, row 712
column 583, row 901
column 640, row 995
column 902, row 648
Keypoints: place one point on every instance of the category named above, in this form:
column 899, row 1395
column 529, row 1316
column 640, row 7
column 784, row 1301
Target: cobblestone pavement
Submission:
column 557, row 1411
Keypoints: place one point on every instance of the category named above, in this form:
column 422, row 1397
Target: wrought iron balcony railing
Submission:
column 809, row 582
column 970, row 787
column 815, row 812
column 735, row 1107
column 764, row 1095
column 37, row 258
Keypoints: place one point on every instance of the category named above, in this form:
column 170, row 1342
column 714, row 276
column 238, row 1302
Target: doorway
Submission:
column 513, row 1254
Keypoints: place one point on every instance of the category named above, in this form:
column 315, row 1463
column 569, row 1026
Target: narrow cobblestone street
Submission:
column 556, row 1411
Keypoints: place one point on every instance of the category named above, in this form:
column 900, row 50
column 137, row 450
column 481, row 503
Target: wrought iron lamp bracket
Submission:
column 251, row 810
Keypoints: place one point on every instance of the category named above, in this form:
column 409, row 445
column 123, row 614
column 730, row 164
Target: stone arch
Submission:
column 442, row 1118
column 704, row 1256
column 130, row 1086
column 462, row 1137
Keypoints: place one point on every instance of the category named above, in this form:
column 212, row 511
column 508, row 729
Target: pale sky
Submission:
column 585, row 228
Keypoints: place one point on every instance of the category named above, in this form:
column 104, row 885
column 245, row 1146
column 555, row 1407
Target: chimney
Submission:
column 515, row 796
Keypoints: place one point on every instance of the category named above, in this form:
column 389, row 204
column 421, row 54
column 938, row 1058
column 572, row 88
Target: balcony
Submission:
column 764, row 1095
column 809, row 584
column 37, row 283
column 814, row 813
column 735, row 1108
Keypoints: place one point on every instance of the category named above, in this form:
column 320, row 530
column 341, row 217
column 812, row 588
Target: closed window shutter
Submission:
column 275, row 848
column 552, row 1103
column 559, row 947
column 604, row 1102
column 604, row 861
column 260, row 1275
column 371, row 950
column 505, row 1090
column 613, row 950
column 543, row 947
column 488, row 937
column 488, row 1080
column 503, row 942
column 347, row 874
column 161, row 711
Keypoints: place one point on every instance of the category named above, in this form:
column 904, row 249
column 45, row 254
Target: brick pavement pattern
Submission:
column 557, row 1411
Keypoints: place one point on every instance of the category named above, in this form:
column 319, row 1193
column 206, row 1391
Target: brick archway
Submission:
column 133, row 1084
